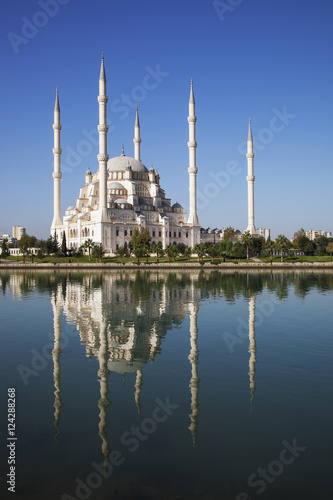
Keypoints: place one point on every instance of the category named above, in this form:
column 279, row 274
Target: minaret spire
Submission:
column 250, row 182
column 56, row 169
column 102, row 156
column 137, row 140
column 192, row 169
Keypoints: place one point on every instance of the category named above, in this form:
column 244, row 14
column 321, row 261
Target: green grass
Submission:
column 301, row 258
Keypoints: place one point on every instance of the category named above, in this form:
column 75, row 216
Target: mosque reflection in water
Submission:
column 122, row 321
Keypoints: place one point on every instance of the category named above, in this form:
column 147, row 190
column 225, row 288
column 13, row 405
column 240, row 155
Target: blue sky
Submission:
column 271, row 60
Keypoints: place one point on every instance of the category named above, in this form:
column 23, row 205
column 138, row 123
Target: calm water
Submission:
column 169, row 385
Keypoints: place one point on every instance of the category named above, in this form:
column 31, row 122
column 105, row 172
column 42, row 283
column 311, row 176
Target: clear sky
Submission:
column 270, row 60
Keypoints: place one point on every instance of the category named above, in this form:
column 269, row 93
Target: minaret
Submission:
column 194, row 383
column 252, row 348
column 56, row 170
column 250, row 182
column 192, row 169
column 102, row 156
column 137, row 140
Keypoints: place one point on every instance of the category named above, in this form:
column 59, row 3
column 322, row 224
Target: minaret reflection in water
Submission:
column 56, row 307
column 123, row 331
column 252, row 347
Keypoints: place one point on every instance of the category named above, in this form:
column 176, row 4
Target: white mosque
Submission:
column 123, row 194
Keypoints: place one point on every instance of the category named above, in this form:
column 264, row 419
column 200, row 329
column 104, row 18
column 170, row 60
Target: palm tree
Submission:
column 247, row 241
column 213, row 251
column 188, row 253
column 157, row 248
column 88, row 245
column 98, row 252
column 199, row 249
column 282, row 243
column 270, row 246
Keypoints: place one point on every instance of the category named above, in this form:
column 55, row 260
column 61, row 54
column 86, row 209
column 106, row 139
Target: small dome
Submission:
column 121, row 163
column 176, row 205
column 115, row 185
column 121, row 201
column 88, row 171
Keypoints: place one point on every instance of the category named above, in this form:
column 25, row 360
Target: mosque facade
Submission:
column 123, row 194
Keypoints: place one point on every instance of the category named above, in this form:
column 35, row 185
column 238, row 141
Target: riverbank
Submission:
column 165, row 265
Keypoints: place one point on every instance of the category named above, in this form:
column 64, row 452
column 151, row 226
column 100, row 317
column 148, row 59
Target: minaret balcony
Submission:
column 102, row 128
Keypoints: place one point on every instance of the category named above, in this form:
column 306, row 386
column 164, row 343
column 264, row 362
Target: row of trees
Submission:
column 141, row 247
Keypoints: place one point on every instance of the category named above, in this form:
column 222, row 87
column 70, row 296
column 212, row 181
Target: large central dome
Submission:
column 121, row 163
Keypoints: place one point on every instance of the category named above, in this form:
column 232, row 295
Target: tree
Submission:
column 122, row 251
column 40, row 254
column 237, row 250
column 282, row 243
column 270, row 246
column 24, row 244
column 297, row 235
column 199, row 249
column 247, row 242
column 157, row 248
column 321, row 242
column 171, row 251
column 188, row 252
column 258, row 242
column 213, row 251
column 88, row 245
column 329, row 248
column 98, row 252
column 52, row 245
column 181, row 248
column 64, row 244
column 304, row 242
column 4, row 248
column 229, row 233
column 140, row 237
column 139, row 251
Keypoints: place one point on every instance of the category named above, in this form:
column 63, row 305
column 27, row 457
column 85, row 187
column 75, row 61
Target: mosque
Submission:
column 123, row 194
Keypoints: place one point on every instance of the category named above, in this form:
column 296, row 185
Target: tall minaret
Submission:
column 56, row 170
column 102, row 156
column 250, row 182
column 192, row 169
column 137, row 140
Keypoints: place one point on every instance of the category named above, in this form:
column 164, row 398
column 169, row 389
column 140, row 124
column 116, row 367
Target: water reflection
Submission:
column 123, row 317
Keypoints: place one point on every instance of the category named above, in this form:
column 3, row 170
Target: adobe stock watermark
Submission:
column 121, row 107
column 30, row 27
column 41, row 358
column 131, row 439
column 226, row 7
column 221, row 179
column 262, row 477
